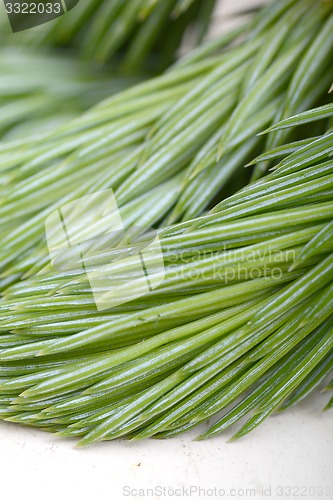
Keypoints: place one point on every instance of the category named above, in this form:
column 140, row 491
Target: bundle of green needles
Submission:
column 228, row 156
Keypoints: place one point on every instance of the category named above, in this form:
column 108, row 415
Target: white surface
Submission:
column 293, row 449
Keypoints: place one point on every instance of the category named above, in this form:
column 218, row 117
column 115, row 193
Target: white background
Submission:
column 290, row 449
column 293, row 449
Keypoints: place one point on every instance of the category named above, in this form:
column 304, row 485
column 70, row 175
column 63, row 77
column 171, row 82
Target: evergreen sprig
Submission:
column 175, row 145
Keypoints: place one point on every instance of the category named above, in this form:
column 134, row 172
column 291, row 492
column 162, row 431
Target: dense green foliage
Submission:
column 165, row 362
